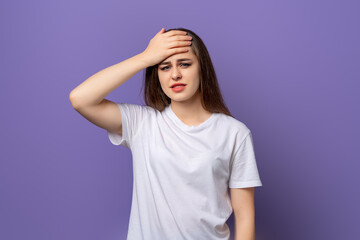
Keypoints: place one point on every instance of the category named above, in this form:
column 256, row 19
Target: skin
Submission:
column 242, row 201
column 187, row 103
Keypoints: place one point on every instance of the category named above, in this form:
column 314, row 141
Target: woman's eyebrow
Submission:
column 179, row 60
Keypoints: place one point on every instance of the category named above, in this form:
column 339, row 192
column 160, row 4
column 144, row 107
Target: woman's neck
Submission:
column 191, row 112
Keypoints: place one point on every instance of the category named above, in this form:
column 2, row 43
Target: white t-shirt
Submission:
column 181, row 173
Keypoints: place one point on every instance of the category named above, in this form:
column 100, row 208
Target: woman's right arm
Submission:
column 94, row 89
column 89, row 97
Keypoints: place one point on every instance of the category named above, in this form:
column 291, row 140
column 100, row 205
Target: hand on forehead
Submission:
column 180, row 56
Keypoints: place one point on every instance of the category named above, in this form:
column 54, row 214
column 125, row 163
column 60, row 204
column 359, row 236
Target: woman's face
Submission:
column 180, row 68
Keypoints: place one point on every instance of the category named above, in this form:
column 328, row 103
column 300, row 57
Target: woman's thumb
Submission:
column 162, row 30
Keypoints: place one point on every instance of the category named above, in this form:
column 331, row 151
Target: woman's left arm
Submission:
column 242, row 202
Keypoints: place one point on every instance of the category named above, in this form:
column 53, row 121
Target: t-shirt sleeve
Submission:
column 132, row 116
column 243, row 167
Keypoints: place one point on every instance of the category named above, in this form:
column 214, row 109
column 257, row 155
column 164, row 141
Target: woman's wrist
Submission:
column 143, row 60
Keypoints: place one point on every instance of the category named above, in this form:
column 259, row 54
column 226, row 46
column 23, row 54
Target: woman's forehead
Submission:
column 177, row 56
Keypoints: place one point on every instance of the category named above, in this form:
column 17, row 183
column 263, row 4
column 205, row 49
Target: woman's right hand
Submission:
column 163, row 45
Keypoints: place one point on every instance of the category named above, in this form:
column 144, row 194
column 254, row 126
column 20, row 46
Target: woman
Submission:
column 187, row 149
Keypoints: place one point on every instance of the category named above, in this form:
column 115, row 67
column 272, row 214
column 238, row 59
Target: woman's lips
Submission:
column 178, row 88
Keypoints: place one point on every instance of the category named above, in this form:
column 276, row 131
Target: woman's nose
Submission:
column 176, row 73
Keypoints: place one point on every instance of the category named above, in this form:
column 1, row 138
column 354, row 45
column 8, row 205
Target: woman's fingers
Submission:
column 175, row 32
column 165, row 44
column 180, row 37
column 179, row 41
column 162, row 31
column 173, row 51
column 179, row 44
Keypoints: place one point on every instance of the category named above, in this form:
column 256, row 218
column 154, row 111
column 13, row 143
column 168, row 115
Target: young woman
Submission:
column 187, row 149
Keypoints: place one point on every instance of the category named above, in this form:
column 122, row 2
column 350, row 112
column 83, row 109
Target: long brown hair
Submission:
column 211, row 98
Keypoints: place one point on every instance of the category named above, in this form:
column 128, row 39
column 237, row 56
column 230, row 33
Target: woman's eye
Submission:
column 184, row 64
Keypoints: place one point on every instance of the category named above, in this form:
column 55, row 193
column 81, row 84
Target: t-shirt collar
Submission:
column 186, row 127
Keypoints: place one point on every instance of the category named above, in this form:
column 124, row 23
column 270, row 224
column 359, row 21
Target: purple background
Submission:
column 289, row 70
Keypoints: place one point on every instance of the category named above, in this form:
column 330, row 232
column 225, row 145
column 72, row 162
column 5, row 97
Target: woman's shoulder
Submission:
column 232, row 123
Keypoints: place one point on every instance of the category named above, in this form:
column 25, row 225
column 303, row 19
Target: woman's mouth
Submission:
column 178, row 88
